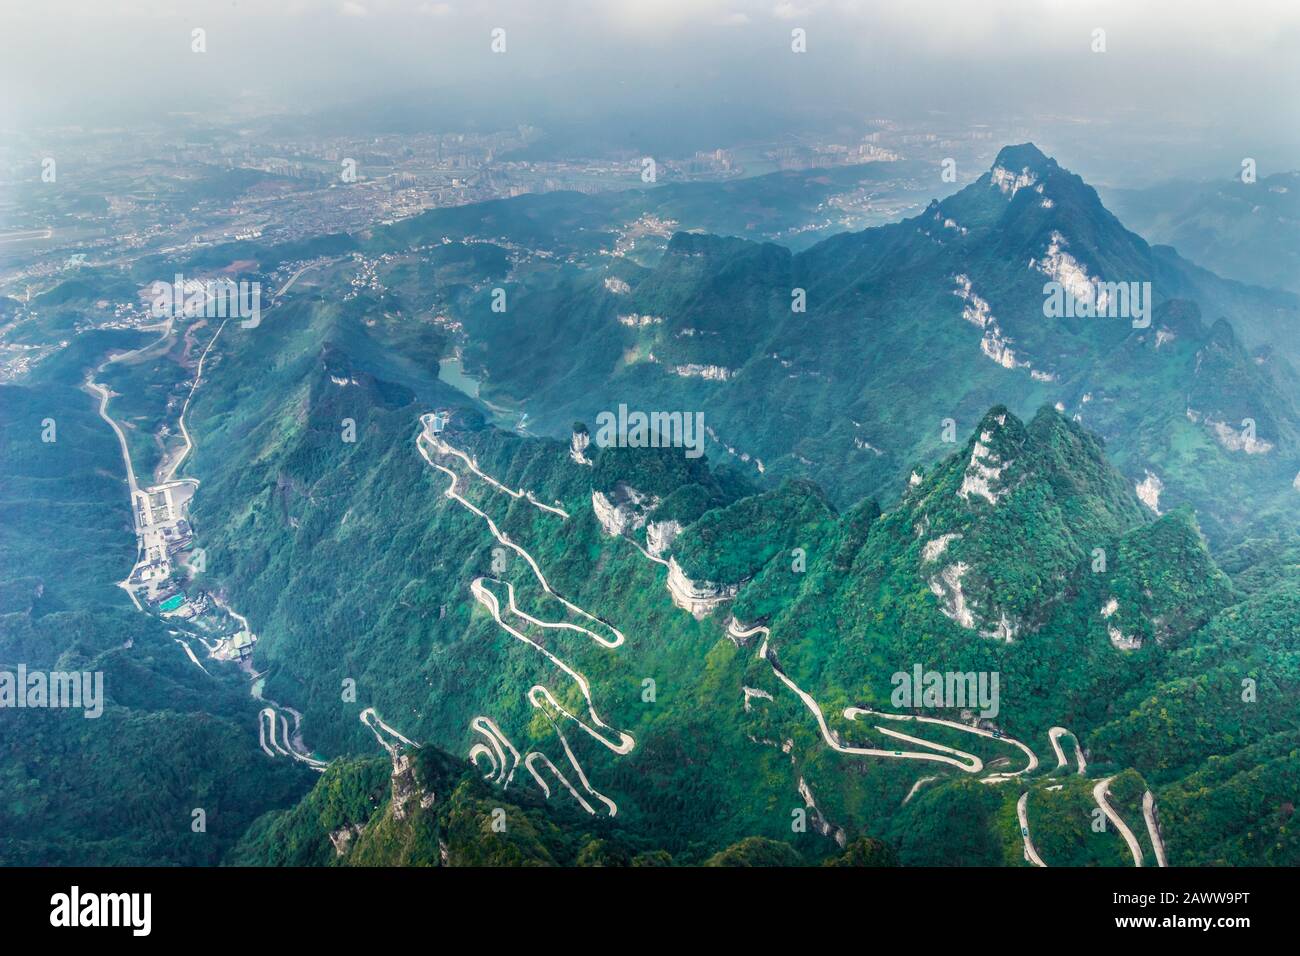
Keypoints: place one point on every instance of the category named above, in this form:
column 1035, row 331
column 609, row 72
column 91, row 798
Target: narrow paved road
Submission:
column 852, row 713
column 489, row 600
column 267, row 714
column 104, row 395
column 1022, row 811
column 372, row 720
column 966, row 762
column 1054, row 735
column 439, row 446
column 1153, row 827
column 1101, row 793
column 497, row 750
column 266, row 717
column 961, row 760
column 185, row 432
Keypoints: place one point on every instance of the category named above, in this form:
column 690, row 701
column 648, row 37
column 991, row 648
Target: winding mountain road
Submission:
column 969, row 763
column 1101, row 793
column 167, row 474
column 429, row 437
column 503, row 758
column 496, row 748
column 489, row 600
column 1022, row 811
column 1153, row 827
column 266, row 717
column 1055, row 735
column 373, row 721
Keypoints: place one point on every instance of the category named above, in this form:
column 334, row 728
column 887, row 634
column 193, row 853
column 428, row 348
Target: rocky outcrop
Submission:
column 819, row 822
column 1148, row 491
column 752, row 692
column 638, row 321
column 1004, row 630
column 660, row 535
column 1231, row 439
column 578, row 445
column 935, row 547
column 985, row 469
column 1060, row 266
column 406, row 788
column 606, row 513
column 700, row 598
column 712, row 373
column 342, row 838
column 623, row 509
column 1009, row 183
column 1120, row 640
column 946, row 586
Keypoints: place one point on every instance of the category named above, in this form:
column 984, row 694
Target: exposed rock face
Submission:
column 606, row 513
column 1117, row 637
column 984, row 470
column 1059, row 265
column 700, row 598
column 820, row 823
column 623, row 510
column 751, row 692
column 660, row 535
column 936, row 547
column 1121, row 641
column 578, row 445
column 946, row 586
column 1148, row 491
column 953, row 603
column 713, row 373
column 1004, row 630
column 1234, row 440
column 1009, row 183
column 406, row 788
column 995, row 346
column 342, row 838
column 976, row 310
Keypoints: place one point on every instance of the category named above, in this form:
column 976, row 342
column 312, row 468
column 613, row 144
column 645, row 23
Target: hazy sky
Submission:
column 1231, row 68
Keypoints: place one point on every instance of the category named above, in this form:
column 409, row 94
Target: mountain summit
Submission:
column 1024, row 157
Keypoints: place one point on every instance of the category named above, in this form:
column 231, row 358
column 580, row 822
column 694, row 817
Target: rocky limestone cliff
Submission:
column 578, row 445
column 660, row 535
column 623, row 510
column 700, row 598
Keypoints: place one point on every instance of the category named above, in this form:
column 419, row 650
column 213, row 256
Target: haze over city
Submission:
column 653, row 73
